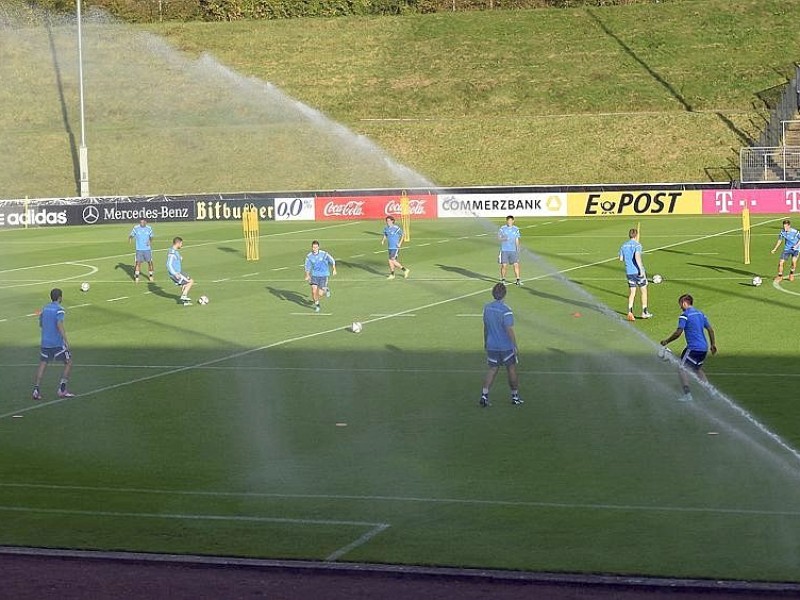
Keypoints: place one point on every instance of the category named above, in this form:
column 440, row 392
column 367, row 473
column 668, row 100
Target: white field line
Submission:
column 220, row 280
column 92, row 271
column 418, row 371
column 375, row 528
column 387, row 315
column 209, row 243
column 118, row 298
column 311, row 313
column 315, row 334
column 356, row 543
column 400, row 499
column 249, row 274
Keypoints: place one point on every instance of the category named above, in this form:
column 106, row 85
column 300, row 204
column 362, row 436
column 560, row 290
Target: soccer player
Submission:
column 631, row 254
column 694, row 324
column 394, row 236
column 54, row 345
column 174, row 268
column 500, row 344
column 791, row 248
column 143, row 234
column 509, row 249
column 318, row 268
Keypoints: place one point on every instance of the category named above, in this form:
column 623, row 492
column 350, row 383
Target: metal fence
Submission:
column 777, row 163
column 771, row 159
column 784, row 111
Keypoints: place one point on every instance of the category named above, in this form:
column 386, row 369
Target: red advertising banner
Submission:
column 345, row 208
column 773, row 201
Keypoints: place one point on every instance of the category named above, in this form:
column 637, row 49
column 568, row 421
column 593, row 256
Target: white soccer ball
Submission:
column 757, row 281
column 85, row 286
column 356, row 327
column 657, row 279
column 202, row 300
column 664, row 353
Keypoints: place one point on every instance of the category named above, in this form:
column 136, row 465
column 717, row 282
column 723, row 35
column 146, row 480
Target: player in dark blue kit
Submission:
column 694, row 325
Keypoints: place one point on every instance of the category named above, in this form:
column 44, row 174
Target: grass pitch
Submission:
column 254, row 427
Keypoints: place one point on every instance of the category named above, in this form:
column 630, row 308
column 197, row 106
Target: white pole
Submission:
column 83, row 156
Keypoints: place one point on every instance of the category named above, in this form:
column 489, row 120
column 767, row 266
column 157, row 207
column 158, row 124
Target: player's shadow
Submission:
column 157, row 290
column 228, row 249
column 570, row 301
column 127, row 268
column 721, row 269
column 289, row 296
column 364, row 267
column 466, row 273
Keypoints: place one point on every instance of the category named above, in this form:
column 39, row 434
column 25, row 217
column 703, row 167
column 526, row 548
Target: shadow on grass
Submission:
column 228, row 249
column 722, row 269
column 466, row 273
column 289, row 296
column 157, row 290
column 127, row 268
column 364, row 267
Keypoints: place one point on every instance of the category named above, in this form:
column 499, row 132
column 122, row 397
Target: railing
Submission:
column 770, row 159
column 776, row 163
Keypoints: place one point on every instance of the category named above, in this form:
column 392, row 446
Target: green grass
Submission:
column 218, row 429
column 665, row 92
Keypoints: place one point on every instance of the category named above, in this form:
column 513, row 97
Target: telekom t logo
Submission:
column 793, row 200
column 724, row 201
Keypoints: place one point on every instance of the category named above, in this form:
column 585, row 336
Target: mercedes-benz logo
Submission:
column 91, row 215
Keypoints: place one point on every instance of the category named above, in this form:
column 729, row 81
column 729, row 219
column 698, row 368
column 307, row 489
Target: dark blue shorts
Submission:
column 180, row 278
column 499, row 358
column 790, row 254
column 319, row 281
column 394, row 253
column 60, row 353
column 144, row 256
column 635, row 280
column 693, row 359
column 508, row 257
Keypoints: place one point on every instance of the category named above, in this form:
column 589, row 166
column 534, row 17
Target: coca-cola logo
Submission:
column 415, row 207
column 351, row 208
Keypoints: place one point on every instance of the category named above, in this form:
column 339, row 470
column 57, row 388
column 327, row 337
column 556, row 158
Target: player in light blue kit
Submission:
column 791, row 248
column 393, row 235
column 318, row 268
column 174, row 268
column 631, row 254
column 500, row 343
column 509, row 237
column 694, row 324
column 54, row 344
column 143, row 235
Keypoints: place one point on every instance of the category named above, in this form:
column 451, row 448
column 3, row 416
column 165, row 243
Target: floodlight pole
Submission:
column 83, row 152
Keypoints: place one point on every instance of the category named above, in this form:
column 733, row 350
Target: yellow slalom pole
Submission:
column 405, row 216
column 250, row 230
column 746, row 234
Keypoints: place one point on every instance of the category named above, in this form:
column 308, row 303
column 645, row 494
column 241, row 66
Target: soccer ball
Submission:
column 657, row 279
column 202, row 300
column 85, row 286
column 664, row 353
column 356, row 327
column 756, row 281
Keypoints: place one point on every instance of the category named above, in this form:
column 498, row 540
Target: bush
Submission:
column 232, row 10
